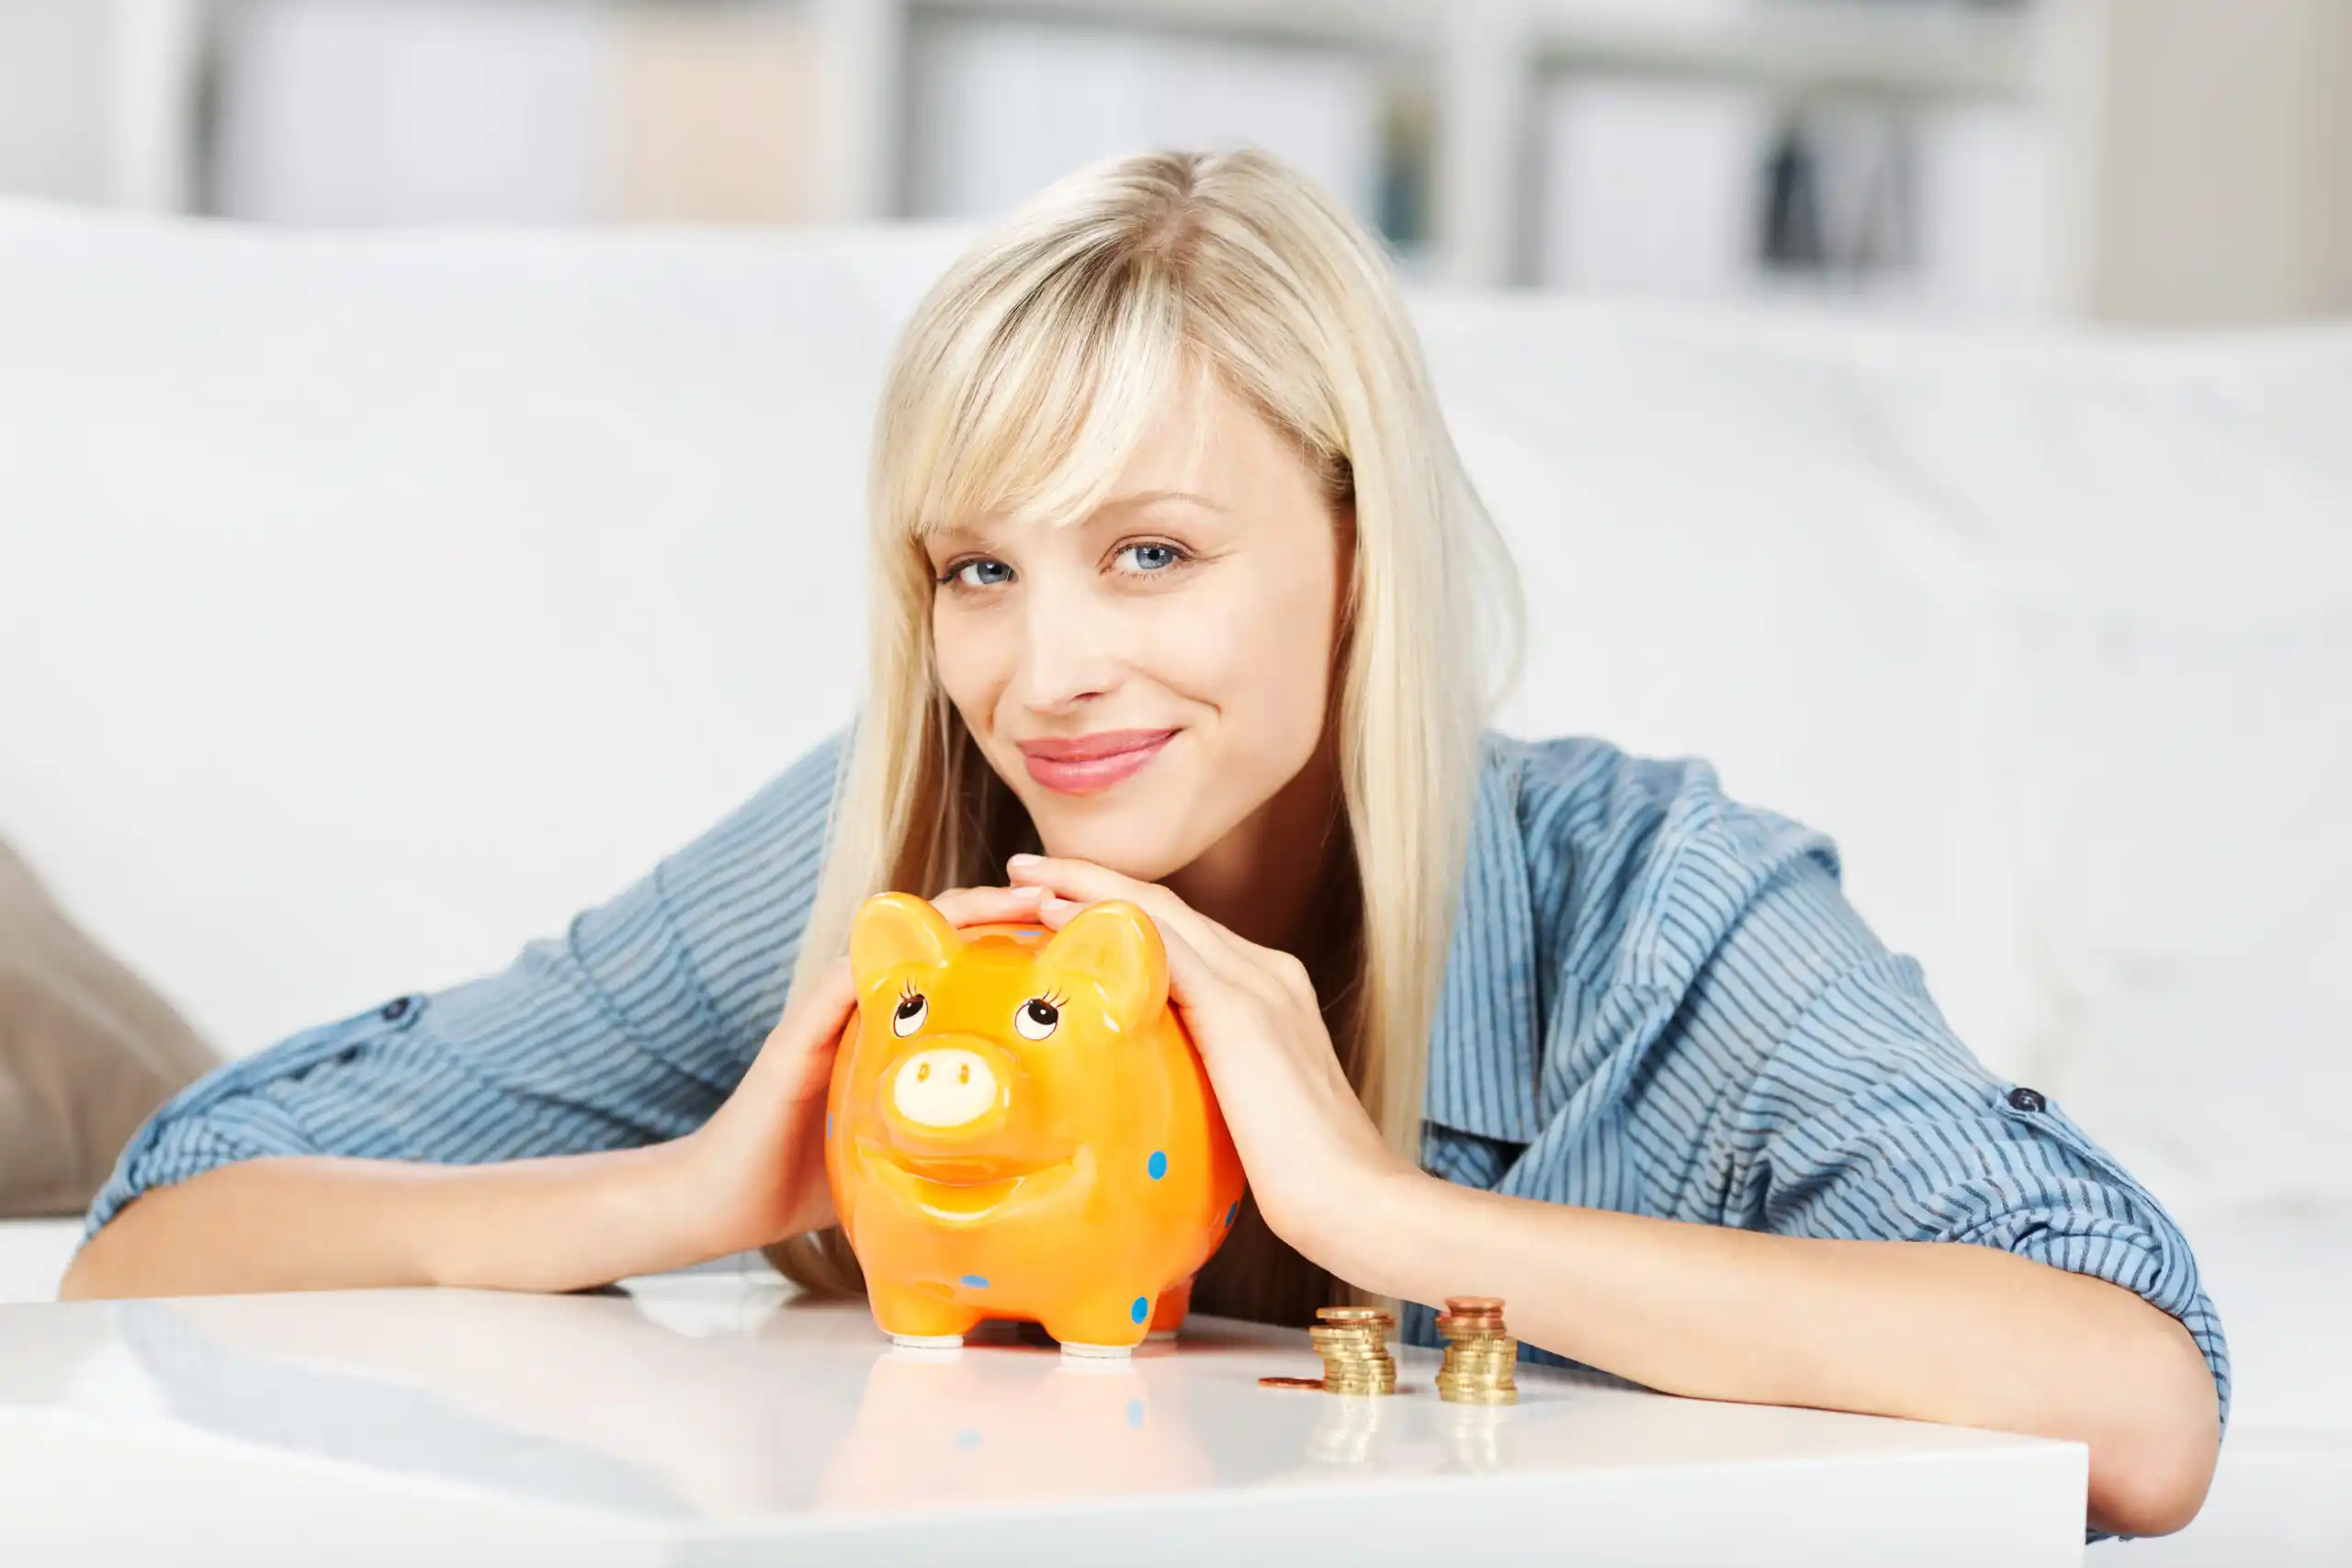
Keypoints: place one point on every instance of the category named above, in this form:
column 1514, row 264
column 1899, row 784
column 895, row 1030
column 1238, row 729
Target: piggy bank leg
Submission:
column 1168, row 1311
column 912, row 1317
column 1100, row 1325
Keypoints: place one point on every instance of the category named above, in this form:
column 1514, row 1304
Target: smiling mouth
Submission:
column 965, row 1203
column 1094, row 767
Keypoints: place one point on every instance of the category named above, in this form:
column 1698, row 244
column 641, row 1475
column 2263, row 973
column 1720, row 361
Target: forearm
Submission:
column 316, row 1223
column 1951, row 1333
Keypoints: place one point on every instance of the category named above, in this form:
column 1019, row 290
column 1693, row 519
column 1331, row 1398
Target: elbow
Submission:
column 2151, row 1478
column 95, row 1274
column 90, row 1277
column 81, row 1282
column 2157, row 1488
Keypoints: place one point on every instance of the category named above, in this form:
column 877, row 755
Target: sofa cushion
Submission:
column 86, row 1051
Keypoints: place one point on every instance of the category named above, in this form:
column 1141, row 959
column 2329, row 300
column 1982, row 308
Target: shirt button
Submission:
column 394, row 1011
column 2026, row 1099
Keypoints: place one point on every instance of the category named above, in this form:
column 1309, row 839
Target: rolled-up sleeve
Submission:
column 1829, row 1098
column 630, row 1028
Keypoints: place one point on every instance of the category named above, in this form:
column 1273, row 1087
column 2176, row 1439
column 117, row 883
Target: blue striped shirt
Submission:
column 1658, row 1001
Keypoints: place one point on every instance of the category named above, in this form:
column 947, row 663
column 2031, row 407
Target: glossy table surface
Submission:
column 713, row 1417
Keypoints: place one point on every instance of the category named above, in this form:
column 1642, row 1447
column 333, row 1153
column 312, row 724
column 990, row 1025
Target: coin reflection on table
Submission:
column 1349, row 1431
column 999, row 1424
column 1473, row 1436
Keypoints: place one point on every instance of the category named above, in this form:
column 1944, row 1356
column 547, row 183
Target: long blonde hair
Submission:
column 1025, row 377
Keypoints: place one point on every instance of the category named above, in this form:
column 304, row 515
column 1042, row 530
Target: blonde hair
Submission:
column 1025, row 377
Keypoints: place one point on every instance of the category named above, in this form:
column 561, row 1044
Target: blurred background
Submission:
column 2153, row 162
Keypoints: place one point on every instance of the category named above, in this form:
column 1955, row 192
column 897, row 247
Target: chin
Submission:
column 1132, row 854
column 1124, row 829
column 1134, row 840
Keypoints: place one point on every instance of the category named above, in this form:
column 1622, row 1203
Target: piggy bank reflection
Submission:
column 939, row 1428
column 1019, row 1128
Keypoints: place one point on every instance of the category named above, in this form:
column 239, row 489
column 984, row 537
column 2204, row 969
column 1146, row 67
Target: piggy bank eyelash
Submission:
column 1036, row 1018
column 907, row 1016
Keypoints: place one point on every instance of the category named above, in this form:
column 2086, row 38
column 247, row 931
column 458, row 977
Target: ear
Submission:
column 1115, row 945
column 892, row 929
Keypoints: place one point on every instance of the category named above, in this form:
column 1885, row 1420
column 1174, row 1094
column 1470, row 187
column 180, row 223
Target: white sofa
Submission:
column 371, row 604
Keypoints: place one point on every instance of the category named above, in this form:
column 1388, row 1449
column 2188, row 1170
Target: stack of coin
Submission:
column 1354, row 1343
column 1479, row 1352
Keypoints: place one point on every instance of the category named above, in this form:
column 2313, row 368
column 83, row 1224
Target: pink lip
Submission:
column 1091, row 762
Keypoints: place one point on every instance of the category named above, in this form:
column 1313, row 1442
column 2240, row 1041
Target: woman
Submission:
column 1178, row 596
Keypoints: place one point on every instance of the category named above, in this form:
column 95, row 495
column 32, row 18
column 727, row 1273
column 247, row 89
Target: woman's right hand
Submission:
column 755, row 1171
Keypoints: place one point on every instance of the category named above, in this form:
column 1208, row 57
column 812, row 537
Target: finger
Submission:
column 1242, row 963
column 1197, row 975
column 1192, row 981
column 1079, row 879
column 814, row 1015
column 828, row 995
column 986, row 906
column 1090, row 883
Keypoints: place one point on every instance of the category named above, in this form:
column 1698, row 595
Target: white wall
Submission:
column 52, row 115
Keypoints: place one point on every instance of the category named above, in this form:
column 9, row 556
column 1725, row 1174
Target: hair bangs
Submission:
column 1042, row 420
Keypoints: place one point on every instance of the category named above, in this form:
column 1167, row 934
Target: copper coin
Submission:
column 1467, row 1306
column 1290, row 1383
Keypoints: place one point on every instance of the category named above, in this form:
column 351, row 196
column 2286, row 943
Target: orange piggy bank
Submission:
column 1018, row 1127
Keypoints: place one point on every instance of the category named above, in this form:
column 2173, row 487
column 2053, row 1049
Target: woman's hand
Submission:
column 755, row 1171
column 1305, row 1140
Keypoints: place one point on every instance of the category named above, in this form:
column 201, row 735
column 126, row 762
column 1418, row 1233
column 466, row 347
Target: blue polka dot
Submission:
column 975, row 1281
column 1135, row 1411
column 1157, row 1164
column 1230, row 1212
column 967, row 1438
column 1141, row 1310
column 829, row 1124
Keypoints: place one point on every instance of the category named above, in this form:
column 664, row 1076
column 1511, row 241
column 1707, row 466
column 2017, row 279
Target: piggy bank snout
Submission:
column 945, row 1087
column 953, row 1094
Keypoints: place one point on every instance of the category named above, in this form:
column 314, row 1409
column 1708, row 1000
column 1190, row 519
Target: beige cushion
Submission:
column 86, row 1051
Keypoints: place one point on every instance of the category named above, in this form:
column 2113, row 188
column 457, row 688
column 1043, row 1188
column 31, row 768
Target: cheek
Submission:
column 972, row 666
column 1261, row 654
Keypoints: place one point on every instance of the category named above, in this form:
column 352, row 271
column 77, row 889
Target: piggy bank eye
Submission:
column 1036, row 1019
column 909, row 1014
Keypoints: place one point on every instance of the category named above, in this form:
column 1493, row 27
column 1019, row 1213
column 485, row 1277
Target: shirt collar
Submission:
column 1483, row 1048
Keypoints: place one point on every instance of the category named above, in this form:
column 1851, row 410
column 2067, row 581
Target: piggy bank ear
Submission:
column 892, row 929
column 1115, row 945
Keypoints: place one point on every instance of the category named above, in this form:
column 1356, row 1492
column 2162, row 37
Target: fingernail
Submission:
column 1033, row 890
column 1060, row 906
column 1022, row 861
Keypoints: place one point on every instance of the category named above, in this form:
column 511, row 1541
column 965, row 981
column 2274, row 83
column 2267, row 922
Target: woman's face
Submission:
column 1145, row 679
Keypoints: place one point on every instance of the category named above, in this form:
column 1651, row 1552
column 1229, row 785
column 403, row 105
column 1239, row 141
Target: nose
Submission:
column 1066, row 654
column 945, row 1087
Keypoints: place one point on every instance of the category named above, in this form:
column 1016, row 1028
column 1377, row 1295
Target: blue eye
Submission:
column 991, row 574
column 1151, row 559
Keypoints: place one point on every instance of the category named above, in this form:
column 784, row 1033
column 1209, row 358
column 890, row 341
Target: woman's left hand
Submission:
column 1305, row 1140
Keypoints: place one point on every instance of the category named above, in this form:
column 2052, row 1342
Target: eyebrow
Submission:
column 1143, row 497
column 957, row 533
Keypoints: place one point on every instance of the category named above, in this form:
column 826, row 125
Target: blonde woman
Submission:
column 1180, row 595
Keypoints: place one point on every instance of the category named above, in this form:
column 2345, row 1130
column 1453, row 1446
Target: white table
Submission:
column 710, row 1418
